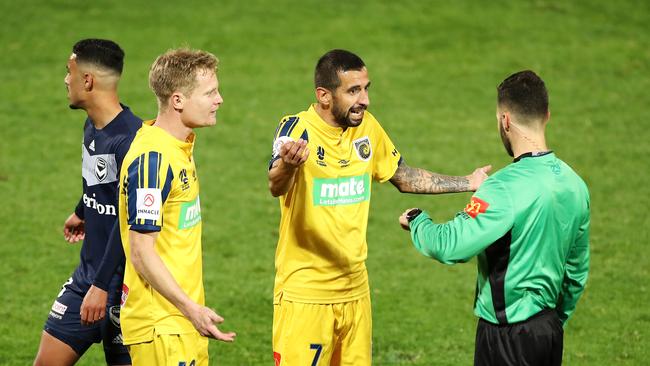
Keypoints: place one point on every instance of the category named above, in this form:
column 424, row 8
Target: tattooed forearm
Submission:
column 416, row 180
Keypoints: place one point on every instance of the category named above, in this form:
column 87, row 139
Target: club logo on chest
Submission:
column 101, row 169
column 363, row 148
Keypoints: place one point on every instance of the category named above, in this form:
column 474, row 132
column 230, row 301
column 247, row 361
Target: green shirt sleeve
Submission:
column 487, row 217
column 575, row 274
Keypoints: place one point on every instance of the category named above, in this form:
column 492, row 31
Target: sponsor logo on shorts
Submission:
column 125, row 294
column 117, row 339
column 114, row 315
column 57, row 307
column 341, row 191
column 277, row 357
column 476, row 206
column 58, row 310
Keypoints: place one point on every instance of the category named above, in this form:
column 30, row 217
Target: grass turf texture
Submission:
column 434, row 68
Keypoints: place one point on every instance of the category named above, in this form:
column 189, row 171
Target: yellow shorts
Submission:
column 322, row 334
column 171, row 350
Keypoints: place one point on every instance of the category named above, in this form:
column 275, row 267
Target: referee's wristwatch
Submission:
column 411, row 215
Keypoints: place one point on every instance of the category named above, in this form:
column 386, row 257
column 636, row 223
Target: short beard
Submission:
column 342, row 117
column 506, row 141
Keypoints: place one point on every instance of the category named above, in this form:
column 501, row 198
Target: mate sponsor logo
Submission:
column 190, row 214
column 341, row 191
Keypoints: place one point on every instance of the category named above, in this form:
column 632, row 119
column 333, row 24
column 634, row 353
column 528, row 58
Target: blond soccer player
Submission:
column 164, row 317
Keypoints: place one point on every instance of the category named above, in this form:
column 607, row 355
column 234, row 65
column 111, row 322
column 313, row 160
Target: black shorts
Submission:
column 536, row 341
column 64, row 323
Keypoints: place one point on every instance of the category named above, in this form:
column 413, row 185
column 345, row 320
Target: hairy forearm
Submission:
column 148, row 264
column 281, row 178
column 415, row 180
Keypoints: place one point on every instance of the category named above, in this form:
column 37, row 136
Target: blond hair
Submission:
column 176, row 70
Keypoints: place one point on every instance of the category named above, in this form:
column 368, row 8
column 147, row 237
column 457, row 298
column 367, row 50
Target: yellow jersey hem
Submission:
column 296, row 297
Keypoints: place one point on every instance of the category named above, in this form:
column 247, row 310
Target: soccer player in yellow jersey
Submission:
column 163, row 315
column 321, row 298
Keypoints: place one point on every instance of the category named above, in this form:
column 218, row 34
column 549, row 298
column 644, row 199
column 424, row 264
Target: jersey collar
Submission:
column 187, row 146
column 320, row 124
column 532, row 154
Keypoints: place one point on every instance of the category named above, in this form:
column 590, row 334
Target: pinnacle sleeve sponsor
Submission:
column 341, row 191
column 148, row 203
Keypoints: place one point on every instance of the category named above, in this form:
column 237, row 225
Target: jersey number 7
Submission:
column 318, row 348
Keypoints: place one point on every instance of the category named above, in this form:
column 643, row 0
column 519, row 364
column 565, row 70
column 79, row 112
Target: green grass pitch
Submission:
column 434, row 66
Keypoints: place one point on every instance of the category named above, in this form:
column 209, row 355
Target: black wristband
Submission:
column 411, row 215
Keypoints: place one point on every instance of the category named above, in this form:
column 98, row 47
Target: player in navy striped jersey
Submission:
column 86, row 311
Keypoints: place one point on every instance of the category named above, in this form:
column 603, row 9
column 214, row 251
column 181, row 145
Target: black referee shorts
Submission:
column 534, row 342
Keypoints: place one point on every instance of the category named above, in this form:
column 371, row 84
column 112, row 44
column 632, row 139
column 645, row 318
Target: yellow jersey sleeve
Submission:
column 148, row 182
column 290, row 128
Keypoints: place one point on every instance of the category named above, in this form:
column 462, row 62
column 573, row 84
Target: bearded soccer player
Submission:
column 164, row 318
column 87, row 310
column 528, row 224
column 321, row 298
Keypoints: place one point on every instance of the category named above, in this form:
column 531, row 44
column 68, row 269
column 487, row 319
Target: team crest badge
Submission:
column 114, row 315
column 363, row 149
column 101, row 169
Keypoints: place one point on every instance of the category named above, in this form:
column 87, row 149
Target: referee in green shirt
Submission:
column 528, row 225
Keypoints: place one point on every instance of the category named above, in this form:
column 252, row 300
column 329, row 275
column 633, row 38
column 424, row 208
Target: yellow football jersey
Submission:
column 321, row 252
column 160, row 192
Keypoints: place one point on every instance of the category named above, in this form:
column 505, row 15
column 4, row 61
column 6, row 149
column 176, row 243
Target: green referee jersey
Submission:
column 529, row 226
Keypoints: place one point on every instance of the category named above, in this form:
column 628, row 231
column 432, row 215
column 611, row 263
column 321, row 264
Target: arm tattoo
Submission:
column 416, row 180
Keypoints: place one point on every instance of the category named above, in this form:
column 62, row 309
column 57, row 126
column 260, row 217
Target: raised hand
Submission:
column 294, row 153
